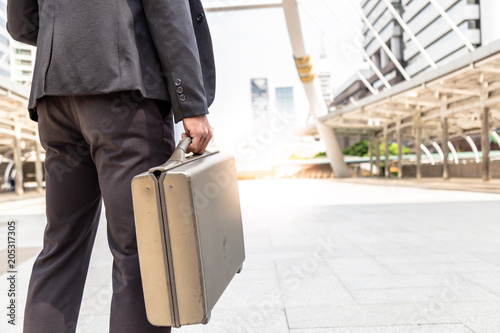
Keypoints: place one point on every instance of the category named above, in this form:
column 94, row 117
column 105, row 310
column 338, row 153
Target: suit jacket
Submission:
column 160, row 48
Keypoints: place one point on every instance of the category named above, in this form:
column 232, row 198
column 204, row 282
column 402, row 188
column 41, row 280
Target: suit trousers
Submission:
column 94, row 146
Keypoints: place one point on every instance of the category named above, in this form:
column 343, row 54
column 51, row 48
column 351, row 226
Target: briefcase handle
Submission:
column 182, row 145
column 179, row 157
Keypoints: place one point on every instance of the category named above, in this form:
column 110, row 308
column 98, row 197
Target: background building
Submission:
column 285, row 101
column 22, row 61
column 431, row 30
column 436, row 35
column 325, row 77
column 260, row 101
column 4, row 42
column 383, row 22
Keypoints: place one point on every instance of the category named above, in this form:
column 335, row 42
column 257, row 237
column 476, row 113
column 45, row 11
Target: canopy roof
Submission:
column 453, row 90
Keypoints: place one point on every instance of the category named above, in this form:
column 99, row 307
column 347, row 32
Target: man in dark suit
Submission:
column 108, row 76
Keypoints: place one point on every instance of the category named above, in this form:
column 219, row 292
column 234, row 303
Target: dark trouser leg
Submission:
column 73, row 210
column 126, row 136
column 133, row 139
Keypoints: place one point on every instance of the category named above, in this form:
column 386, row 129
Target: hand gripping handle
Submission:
column 182, row 146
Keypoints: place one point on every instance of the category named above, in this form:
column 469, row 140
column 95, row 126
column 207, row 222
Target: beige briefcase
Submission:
column 189, row 235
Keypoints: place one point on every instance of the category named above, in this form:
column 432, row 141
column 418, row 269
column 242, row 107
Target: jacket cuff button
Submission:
column 178, row 82
column 179, row 90
column 182, row 97
column 200, row 17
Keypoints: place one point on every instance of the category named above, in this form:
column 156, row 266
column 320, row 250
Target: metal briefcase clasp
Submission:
column 179, row 157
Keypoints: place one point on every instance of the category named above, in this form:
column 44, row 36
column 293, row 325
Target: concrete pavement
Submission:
column 327, row 256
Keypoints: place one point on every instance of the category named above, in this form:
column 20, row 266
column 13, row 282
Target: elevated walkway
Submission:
column 454, row 184
column 18, row 136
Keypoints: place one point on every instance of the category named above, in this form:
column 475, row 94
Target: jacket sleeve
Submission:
column 22, row 20
column 171, row 28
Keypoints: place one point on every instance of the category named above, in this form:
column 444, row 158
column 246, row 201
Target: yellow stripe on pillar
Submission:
column 300, row 62
column 305, row 70
column 308, row 78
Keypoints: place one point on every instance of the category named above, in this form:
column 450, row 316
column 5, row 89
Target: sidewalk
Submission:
column 455, row 184
column 11, row 196
column 330, row 256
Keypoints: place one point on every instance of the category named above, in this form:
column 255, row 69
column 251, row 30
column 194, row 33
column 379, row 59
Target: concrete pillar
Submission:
column 38, row 167
column 370, row 152
column 313, row 89
column 377, row 152
column 444, row 137
column 399, row 139
column 387, row 163
column 19, row 179
column 418, row 141
column 485, row 131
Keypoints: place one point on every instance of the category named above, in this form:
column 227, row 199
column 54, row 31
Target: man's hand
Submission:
column 200, row 132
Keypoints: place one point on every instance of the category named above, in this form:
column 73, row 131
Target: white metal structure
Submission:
column 317, row 105
column 18, row 134
column 382, row 43
column 452, row 24
column 447, row 29
column 470, row 85
column 453, row 152
column 409, row 32
column 307, row 76
column 428, row 153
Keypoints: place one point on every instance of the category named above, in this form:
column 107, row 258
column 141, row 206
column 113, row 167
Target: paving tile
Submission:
column 479, row 316
column 299, row 241
column 396, row 295
column 366, row 315
column 242, row 321
column 401, row 237
column 257, row 261
column 487, row 280
column 396, row 281
column 362, row 235
column 347, row 249
column 257, row 243
column 439, row 328
column 438, row 268
column 259, row 257
column 428, row 258
column 306, row 267
column 356, row 266
column 93, row 323
column 97, row 299
column 249, row 275
column 492, row 257
column 251, row 294
column 315, row 291
column 383, row 248
column 453, row 291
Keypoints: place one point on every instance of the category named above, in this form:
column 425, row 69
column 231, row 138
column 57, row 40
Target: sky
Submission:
column 255, row 43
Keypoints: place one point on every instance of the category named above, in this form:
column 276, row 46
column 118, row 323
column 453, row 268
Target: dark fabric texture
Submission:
column 94, row 146
column 100, row 46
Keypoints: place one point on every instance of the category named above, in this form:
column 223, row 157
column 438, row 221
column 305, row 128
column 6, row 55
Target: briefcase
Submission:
column 189, row 235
